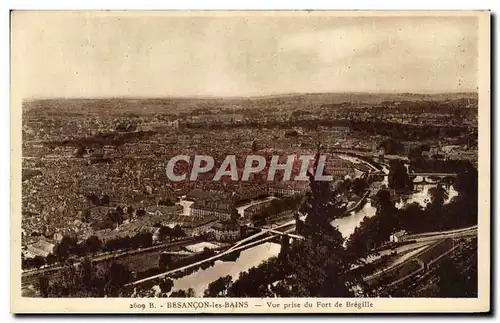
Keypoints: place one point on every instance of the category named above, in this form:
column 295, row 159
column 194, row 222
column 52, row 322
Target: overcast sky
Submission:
column 80, row 55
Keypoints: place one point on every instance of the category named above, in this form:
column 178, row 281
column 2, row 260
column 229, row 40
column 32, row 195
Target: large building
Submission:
column 200, row 227
column 255, row 209
column 162, row 210
column 288, row 188
column 339, row 168
column 221, row 209
column 40, row 248
column 249, row 192
column 226, row 231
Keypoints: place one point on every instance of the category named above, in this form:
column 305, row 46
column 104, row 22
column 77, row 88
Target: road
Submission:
column 427, row 234
column 422, row 243
column 283, row 233
column 242, row 208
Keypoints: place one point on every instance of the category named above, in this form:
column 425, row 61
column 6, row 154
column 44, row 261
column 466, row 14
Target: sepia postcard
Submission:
column 250, row 162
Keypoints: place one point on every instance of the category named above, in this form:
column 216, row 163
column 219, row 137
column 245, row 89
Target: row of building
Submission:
column 223, row 206
column 220, row 230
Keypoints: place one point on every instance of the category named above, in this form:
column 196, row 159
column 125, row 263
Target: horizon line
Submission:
column 208, row 96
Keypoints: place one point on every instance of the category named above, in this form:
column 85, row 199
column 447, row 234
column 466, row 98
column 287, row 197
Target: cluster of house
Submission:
column 225, row 230
column 398, row 236
column 162, row 210
column 40, row 248
column 456, row 152
column 212, row 213
column 222, row 206
column 160, row 126
column 287, row 188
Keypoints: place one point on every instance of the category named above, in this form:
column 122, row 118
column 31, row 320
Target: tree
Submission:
column 119, row 210
column 116, row 216
column 234, row 215
column 373, row 232
column 438, row 196
column 93, row 244
column 178, row 232
column 384, row 203
column 415, row 153
column 275, row 207
column 183, row 293
column 178, row 293
column 166, row 202
column 359, row 186
column 66, row 247
column 43, row 285
column 117, row 276
column 50, row 259
column 450, row 281
column 466, row 184
column 94, row 199
column 165, row 232
column 259, row 219
column 391, row 147
column 80, row 152
column 142, row 240
column 104, row 199
column 166, row 285
column 398, row 176
column 285, row 247
column 254, row 146
column 219, row 287
column 88, row 280
column 86, row 216
column 38, row 261
column 413, row 219
column 190, row 293
column 363, row 240
column 130, row 212
column 321, row 269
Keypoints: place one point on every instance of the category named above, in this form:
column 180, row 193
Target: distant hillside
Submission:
column 374, row 98
column 170, row 105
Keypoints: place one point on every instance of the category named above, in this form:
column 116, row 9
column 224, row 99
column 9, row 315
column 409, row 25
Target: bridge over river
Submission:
column 413, row 174
column 423, row 178
column 267, row 235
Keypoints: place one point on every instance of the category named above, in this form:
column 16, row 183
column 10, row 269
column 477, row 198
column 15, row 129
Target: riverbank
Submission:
column 362, row 201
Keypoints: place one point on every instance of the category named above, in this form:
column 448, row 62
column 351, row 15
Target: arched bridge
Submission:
column 442, row 177
column 415, row 174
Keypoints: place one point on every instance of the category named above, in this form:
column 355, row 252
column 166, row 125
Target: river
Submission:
column 249, row 258
column 347, row 224
column 254, row 256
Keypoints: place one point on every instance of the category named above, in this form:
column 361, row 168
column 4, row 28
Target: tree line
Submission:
column 69, row 246
column 437, row 215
